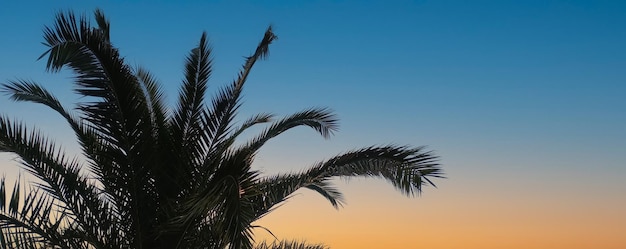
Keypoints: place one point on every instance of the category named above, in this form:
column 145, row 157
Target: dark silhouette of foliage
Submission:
column 161, row 178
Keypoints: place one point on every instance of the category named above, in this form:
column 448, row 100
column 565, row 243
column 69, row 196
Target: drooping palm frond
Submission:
column 29, row 91
column 320, row 119
column 22, row 90
column 260, row 118
column 408, row 169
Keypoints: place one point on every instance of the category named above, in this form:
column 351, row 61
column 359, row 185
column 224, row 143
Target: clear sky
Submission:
column 525, row 102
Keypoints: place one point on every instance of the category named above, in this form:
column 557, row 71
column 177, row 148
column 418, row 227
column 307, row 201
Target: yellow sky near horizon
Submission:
column 492, row 218
column 513, row 212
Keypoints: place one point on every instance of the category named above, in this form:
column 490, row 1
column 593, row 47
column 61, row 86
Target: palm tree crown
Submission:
column 161, row 178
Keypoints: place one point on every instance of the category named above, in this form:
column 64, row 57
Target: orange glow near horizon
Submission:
column 465, row 211
column 386, row 219
column 461, row 213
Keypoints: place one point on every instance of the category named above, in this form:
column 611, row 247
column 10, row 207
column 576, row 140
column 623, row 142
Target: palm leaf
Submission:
column 61, row 178
column 320, row 119
column 408, row 169
column 32, row 221
column 218, row 119
column 120, row 115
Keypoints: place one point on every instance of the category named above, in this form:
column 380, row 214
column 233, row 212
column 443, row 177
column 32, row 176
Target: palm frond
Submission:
column 121, row 108
column 103, row 24
column 260, row 118
column 120, row 115
column 31, row 221
column 320, row 119
column 408, row 169
column 186, row 122
column 289, row 244
column 218, row 119
column 198, row 68
column 274, row 190
column 29, row 91
column 61, row 178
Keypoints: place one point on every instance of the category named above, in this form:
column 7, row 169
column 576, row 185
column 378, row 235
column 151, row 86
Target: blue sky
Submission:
column 523, row 97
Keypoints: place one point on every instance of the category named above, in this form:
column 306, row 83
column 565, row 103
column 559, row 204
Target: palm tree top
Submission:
column 161, row 178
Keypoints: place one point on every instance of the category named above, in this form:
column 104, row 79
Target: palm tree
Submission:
column 160, row 178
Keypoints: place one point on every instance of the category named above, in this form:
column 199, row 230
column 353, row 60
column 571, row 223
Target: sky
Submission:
column 524, row 101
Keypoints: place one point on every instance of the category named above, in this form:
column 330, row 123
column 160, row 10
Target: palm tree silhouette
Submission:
column 160, row 178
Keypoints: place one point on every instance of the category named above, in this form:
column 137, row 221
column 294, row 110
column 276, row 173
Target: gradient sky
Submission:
column 525, row 102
